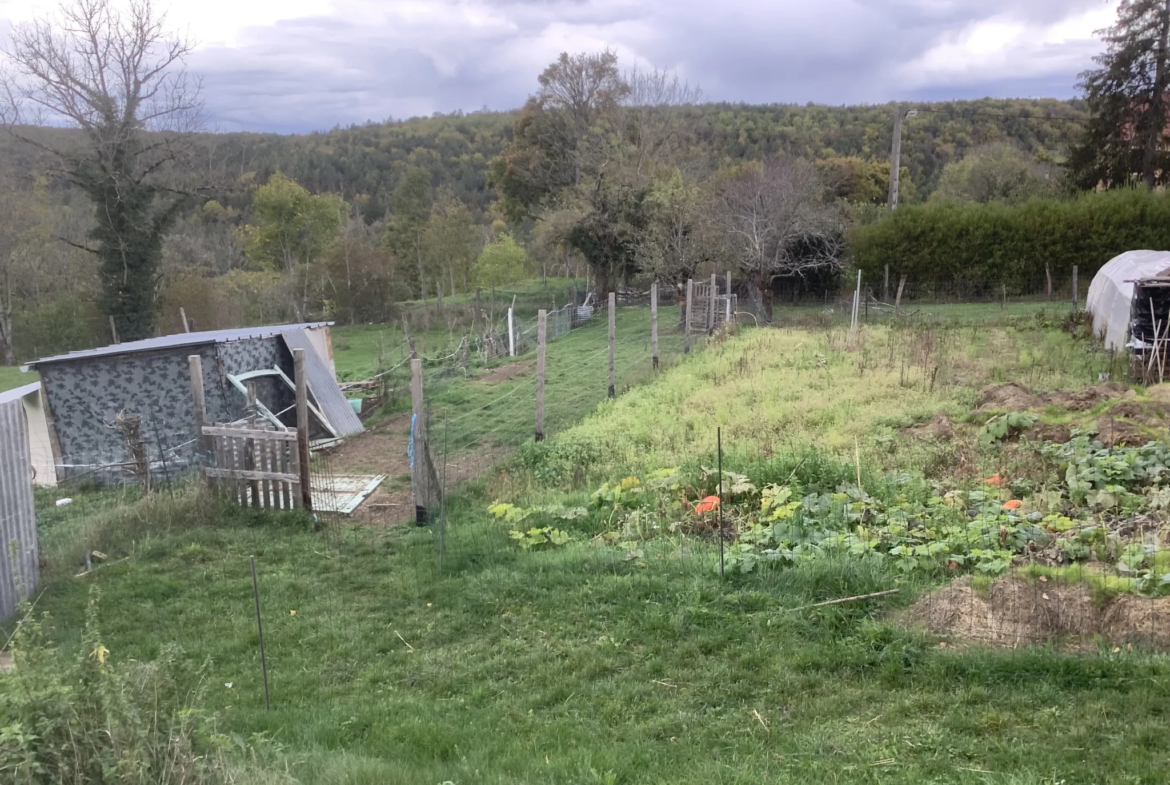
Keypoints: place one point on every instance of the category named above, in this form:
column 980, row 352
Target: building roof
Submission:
column 8, row 396
column 180, row 340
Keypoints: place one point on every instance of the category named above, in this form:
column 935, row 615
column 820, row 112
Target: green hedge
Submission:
column 985, row 246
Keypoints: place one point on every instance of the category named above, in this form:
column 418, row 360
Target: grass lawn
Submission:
column 590, row 663
column 11, row 378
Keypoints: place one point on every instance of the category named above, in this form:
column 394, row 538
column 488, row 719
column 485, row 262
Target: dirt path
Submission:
column 380, row 450
column 504, row 372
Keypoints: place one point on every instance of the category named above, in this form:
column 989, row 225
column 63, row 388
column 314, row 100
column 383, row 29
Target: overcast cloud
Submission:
column 299, row 65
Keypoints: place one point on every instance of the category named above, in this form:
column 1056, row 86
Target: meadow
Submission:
column 11, row 378
column 453, row 654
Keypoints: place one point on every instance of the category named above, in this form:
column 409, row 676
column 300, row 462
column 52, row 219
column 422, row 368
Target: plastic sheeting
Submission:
column 1110, row 301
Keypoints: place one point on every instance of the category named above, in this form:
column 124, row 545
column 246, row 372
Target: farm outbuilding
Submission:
column 101, row 401
column 1128, row 294
column 19, row 569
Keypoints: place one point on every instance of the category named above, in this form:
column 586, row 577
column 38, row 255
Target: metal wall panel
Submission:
column 323, row 387
column 19, row 570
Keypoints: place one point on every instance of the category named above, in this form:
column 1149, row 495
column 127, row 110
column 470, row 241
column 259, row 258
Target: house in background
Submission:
column 40, row 446
column 98, row 401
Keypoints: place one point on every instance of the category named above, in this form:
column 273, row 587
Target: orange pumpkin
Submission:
column 709, row 504
column 1012, row 504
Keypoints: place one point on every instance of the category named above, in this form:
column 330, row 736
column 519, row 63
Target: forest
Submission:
column 383, row 182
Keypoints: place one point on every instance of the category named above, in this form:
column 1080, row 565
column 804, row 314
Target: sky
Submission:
column 294, row 66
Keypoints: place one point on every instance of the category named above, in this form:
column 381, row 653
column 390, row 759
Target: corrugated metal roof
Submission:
column 15, row 395
column 323, row 387
column 179, row 340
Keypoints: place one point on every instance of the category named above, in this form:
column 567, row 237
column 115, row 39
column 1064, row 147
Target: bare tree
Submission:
column 776, row 221
column 652, row 117
column 119, row 77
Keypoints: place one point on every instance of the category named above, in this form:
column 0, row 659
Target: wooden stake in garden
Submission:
column 183, row 316
column 260, row 633
column 418, row 430
column 301, row 383
column 541, row 341
column 1076, row 297
column 687, row 314
column 114, row 330
column 612, row 334
column 856, row 302
column 719, row 449
column 654, row 325
column 886, row 286
column 898, row 299
column 1048, row 281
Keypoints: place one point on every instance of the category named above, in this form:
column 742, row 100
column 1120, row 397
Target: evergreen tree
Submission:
column 1127, row 99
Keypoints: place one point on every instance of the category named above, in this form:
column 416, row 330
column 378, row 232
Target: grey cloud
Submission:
column 314, row 73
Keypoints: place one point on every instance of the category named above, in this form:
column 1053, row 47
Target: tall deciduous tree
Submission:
column 777, row 222
column 291, row 230
column 1127, row 98
column 291, row 227
column 450, row 241
column 115, row 73
column 586, row 149
column 998, row 172
column 413, row 199
column 501, row 262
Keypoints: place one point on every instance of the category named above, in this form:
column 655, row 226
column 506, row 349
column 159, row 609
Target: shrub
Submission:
column 87, row 719
column 980, row 247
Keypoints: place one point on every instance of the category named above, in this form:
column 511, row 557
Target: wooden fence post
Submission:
column 711, row 303
column 1048, row 281
column 202, row 443
column 418, row 467
column 898, row 299
column 114, row 330
column 654, row 325
column 541, row 348
column 856, row 303
column 409, row 340
column 183, row 316
column 612, row 333
column 886, row 286
column 511, row 336
column 1076, row 298
column 687, row 322
column 303, row 426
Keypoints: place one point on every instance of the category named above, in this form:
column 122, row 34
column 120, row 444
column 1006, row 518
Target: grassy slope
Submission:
column 11, row 378
column 579, row 666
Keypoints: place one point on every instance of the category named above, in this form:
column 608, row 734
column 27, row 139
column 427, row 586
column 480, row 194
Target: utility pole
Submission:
column 896, row 155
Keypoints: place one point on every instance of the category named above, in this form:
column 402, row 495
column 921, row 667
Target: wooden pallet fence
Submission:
column 255, row 466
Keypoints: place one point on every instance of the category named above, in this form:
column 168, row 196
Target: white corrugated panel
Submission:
column 19, row 571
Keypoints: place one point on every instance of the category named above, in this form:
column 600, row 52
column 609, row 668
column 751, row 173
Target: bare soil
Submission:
column 380, row 450
column 939, row 428
column 1014, row 611
column 1015, row 397
column 504, row 372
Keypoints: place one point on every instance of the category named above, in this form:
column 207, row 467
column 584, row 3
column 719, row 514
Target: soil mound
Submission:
column 1014, row 612
column 939, row 427
column 1016, row 397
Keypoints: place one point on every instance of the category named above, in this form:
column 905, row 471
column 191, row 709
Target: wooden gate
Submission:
column 254, row 465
